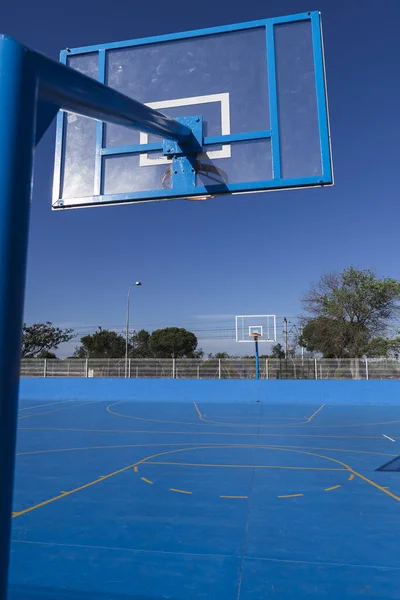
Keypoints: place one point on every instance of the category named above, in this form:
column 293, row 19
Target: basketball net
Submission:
column 207, row 170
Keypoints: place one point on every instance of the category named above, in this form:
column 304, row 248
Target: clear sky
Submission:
column 203, row 262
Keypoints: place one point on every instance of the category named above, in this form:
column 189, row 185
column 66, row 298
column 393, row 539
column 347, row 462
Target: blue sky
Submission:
column 203, row 262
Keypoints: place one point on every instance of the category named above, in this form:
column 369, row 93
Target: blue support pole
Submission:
column 72, row 91
column 18, row 94
column 257, row 361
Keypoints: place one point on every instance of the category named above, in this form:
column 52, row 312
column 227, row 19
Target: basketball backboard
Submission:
column 259, row 327
column 257, row 88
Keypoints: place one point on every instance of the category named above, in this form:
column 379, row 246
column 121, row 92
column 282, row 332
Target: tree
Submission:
column 101, row 344
column 46, row 354
column 277, row 351
column 381, row 347
column 139, row 345
column 221, row 355
column 42, row 337
column 173, row 342
column 348, row 313
column 210, row 355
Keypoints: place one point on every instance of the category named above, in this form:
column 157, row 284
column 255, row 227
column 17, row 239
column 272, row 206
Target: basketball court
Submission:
column 199, row 500
column 181, row 500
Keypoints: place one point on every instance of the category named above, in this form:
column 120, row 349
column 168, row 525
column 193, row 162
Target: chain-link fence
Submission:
column 214, row 368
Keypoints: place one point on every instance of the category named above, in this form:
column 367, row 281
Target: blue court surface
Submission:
column 249, row 501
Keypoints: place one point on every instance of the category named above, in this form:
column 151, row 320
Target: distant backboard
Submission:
column 258, row 89
column 261, row 327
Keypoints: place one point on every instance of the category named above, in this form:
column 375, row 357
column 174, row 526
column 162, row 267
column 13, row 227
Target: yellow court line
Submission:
column 334, row 487
column 181, row 464
column 48, row 412
column 64, row 494
column 190, row 444
column 335, row 460
column 135, row 469
column 113, row 412
column 198, row 410
column 351, row 477
column 146, row 480
column 210, row 433
column 235, row 497
column 148, row 458
column 379, row 487
column 233, row 425
column 291, row 496
column 180, row 491
column 315, row 413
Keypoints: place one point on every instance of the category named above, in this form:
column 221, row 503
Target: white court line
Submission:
column 46, row 404
column 388, row 438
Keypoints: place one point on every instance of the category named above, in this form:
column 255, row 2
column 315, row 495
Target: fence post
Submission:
column 266, row 369
column 129, row 367
column 87, row 368
column 316, row 368
column 219, row 368
column 366, row 369
column 198, row 371
column 45, row 368
column 173, row 369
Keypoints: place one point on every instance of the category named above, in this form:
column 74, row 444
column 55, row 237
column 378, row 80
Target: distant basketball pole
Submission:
column 255, row 336
column 257, row 328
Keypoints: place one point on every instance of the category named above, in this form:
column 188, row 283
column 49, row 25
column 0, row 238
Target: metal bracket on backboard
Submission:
column 183, row 168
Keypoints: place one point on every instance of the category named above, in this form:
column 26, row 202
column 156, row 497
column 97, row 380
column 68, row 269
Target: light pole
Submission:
column 285, row 336
column 138, row 283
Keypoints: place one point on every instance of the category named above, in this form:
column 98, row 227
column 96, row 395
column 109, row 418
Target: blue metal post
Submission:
column 18, row 91
column 257, row 361
column 72, row 91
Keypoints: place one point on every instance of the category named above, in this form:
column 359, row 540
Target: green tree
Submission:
column 46, row 354
column 42, row 337
column 383, row 347
column 348, row 313
column 277, row 351
column 139, row 345
column 101, row 344
column 173, row 342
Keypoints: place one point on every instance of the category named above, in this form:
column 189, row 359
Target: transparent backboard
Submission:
column 259, row 88
column 262, row 327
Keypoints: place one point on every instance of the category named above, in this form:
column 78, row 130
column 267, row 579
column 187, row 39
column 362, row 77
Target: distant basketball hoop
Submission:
column 257, row 329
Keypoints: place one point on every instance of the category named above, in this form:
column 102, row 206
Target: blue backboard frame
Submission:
column 275, row 183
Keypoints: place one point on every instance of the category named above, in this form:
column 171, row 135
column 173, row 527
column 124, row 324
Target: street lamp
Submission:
column 137, row 283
